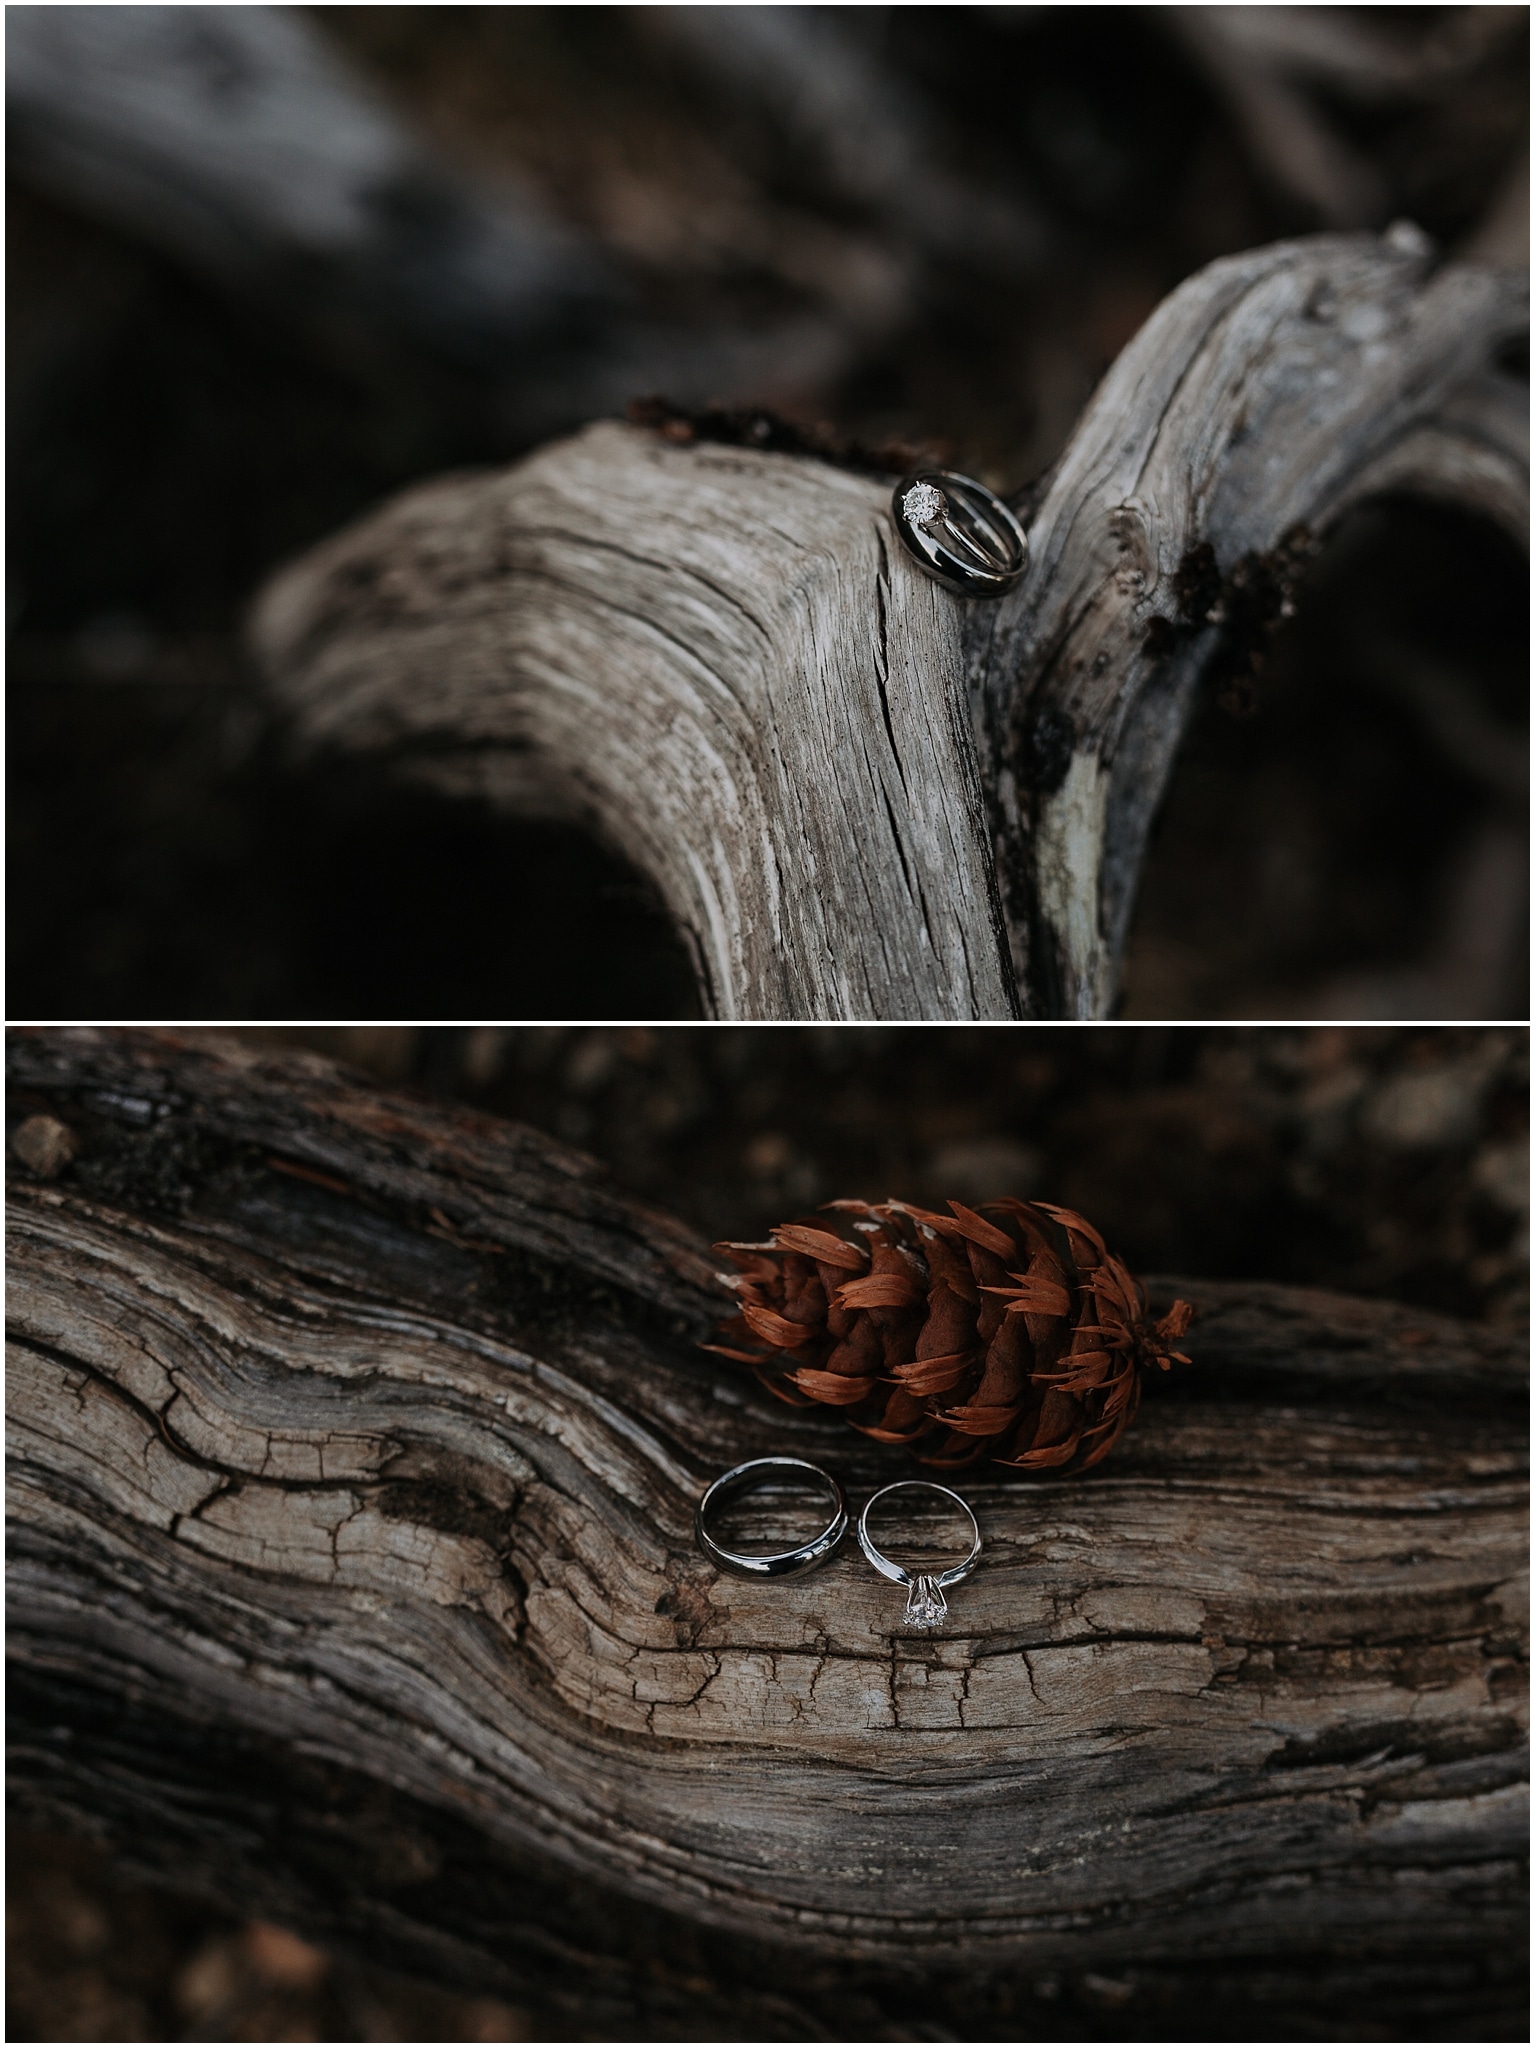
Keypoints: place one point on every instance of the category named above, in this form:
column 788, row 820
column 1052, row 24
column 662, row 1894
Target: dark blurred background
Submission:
column 1384, row 1160
column 267, row 265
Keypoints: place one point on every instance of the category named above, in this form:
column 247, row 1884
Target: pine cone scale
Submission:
column 827, row 1251
column 933, row 1375
column 838, row 1390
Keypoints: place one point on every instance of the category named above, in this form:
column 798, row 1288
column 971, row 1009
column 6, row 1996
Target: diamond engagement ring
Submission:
column 925, row 1604
column 959, row 532
column 778, row 1564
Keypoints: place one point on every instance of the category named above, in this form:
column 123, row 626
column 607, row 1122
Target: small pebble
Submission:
column 44, row 1145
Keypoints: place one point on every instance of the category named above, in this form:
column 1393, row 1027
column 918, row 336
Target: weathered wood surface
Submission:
column 858, row 795
column 354, row 1446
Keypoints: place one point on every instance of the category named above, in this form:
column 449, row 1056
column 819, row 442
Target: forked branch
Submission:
column 858, row 795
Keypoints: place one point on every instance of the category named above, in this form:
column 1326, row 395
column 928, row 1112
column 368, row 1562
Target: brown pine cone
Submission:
column 1020, row 1338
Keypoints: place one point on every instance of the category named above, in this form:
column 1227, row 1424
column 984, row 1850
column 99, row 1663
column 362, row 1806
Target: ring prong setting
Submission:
column 922, row 504
column 925, row 1604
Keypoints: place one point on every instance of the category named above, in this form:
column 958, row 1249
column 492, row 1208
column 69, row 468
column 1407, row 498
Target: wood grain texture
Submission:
column 859, row 795
column 1266, row 396
column 400, row 1496
column 726, row 660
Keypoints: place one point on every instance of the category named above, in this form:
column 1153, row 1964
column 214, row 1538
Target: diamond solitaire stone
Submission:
column 925, row 1604
column 922, row 503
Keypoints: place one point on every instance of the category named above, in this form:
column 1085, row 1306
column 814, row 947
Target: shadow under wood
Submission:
column 400, row 901
column 428, row 1898
column 190, row 885
column 1346, row 835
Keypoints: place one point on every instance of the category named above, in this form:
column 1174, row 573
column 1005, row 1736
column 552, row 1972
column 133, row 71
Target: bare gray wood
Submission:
column 859, row 795
column 372, row 1493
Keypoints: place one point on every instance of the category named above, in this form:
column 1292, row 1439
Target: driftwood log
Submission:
column 354, row 1446
column 858, row 795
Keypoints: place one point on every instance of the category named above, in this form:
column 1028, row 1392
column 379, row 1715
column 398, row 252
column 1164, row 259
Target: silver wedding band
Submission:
column 925, row 1605
column 960, row 533
column 782, row 1564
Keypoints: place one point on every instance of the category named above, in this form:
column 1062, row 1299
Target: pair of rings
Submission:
column 925, row 1604
column 960, row 533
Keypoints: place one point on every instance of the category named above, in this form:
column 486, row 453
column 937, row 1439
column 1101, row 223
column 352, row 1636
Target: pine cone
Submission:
column 1020, row 1338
